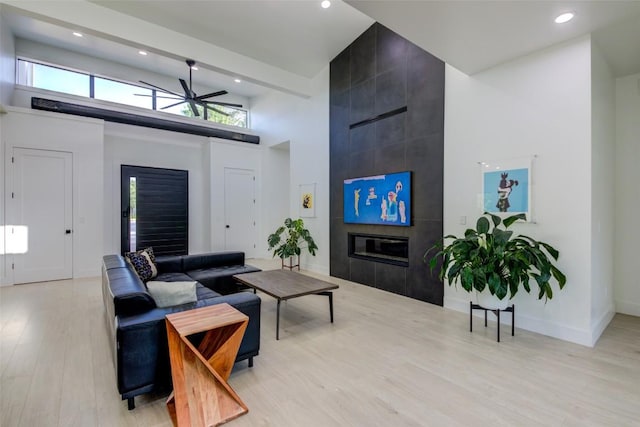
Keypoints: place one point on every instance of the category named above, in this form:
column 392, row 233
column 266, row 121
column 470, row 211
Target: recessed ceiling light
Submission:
column 142, row 52
column 325, row 4
column 237, row 80
column 77, row 34
column 565, row 17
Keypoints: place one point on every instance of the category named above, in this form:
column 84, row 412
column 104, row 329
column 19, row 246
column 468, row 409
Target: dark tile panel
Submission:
column 340, row 72
column 425, row 74
column 391, row 130
column 362, row 101
column 362, row 138
column 363, row 57
column 425, row 157
column 390, row 159
column 391, row 278
column 391, row 90
column 338, row 256
column 421, row 284
column 391, row 49
column 362, row 271
column 361, row 164
column 424, row 116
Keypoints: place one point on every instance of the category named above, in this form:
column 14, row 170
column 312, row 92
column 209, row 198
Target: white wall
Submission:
column 7, row 63
column 7, row 77
column 138, row 146
column 602, row 192
column 536, row 105
column 276, row 180
column 84, row 138
column 627, row 195
column 305, row 124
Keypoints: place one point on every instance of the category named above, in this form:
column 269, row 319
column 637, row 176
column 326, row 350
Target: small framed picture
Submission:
column 506, row 187
column 307, row 200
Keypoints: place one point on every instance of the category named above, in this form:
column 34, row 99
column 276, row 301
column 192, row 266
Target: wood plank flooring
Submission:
column 386, row 361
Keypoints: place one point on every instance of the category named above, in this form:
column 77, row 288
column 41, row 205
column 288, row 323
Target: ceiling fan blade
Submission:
column 217, row 111
column 187, row 90
column 193, row 107
column 159, row 88
column 173, row 105
column 226, row 104
column 212, row 94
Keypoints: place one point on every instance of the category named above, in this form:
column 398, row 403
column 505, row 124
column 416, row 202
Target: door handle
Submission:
column 67, row 231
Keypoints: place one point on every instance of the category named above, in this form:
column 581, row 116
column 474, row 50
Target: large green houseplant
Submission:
column 286, row 241
column 493, row 258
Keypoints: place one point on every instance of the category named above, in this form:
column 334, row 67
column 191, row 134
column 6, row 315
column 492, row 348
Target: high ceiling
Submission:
column 282, row 45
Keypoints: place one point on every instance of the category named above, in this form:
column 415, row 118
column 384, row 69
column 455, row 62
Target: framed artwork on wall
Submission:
column 506, row 187
column 307, row 200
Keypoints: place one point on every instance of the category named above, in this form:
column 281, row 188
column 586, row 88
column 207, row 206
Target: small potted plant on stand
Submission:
column 495, row 263
column 286, row 240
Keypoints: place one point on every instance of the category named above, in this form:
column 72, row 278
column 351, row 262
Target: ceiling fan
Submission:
column 190, row 96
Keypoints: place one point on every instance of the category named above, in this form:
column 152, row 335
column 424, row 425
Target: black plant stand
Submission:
column 511, row 309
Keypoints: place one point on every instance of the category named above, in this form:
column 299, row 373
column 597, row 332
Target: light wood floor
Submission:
column 386, row 361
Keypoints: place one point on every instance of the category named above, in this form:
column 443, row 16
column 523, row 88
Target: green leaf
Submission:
column 513, row 218
column 482, row 225
column 495, row 218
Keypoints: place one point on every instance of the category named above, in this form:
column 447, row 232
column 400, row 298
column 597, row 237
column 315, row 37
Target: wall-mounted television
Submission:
column 378, row 199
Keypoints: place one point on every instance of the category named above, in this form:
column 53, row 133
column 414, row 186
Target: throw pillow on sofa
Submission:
column 168, row 294
column 144, row 262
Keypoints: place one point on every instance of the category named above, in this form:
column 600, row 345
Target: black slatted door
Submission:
column 155, row 209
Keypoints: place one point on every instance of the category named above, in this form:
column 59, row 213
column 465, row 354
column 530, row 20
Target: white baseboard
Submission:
column 626, row 307
column 540, row 326
column 601, row 324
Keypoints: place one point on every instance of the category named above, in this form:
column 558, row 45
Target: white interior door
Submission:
column 239, row 210
column 42, row 201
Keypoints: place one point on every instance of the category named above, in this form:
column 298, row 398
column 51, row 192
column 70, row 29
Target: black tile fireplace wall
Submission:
column 378, row 73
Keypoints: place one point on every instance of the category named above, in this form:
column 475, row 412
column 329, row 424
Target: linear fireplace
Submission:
column 387, row 249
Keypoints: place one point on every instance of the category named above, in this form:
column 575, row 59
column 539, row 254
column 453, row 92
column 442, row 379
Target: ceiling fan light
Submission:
column 325, row 4
column 194, row 68
column 565, row 17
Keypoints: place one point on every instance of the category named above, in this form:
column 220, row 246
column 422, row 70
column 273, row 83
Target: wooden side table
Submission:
column 201, row 395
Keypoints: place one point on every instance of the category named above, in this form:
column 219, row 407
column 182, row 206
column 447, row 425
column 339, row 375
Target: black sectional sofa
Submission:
column 136, row 326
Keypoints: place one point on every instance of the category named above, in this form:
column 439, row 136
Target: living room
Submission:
column 560, row 104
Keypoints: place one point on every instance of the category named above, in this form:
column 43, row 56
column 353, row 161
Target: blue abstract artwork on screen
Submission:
column 379, row 199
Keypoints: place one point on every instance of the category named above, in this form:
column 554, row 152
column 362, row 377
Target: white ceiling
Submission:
column 476, row 35
column 283, row 44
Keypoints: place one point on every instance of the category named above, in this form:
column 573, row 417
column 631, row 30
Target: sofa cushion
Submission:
column 173, row 277
column 169, row 263
column 218, row 259
column 219, row 278
column 168, row 294
column 143, row 262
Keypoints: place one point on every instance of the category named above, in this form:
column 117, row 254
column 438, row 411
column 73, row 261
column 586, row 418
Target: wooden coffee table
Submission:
column 284, row 285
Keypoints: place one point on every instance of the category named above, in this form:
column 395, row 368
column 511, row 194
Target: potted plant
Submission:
column 286, row 240
column 496, row 263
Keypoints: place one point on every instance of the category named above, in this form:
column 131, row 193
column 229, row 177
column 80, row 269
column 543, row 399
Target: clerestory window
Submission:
column 64, row 80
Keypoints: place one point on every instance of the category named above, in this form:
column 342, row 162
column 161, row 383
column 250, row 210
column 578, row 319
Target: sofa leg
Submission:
column 131, row 403
column 251, row 362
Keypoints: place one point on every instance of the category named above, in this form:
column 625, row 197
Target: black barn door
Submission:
column 155, row 210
